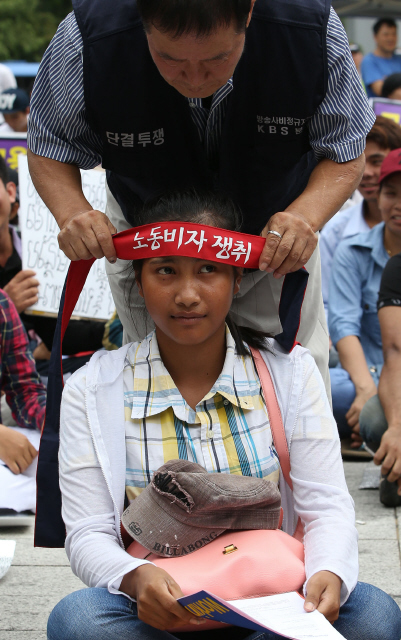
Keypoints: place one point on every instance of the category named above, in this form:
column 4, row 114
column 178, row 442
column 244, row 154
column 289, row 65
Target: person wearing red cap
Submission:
column 190, row 391
column 380, row 419
column 354, row 285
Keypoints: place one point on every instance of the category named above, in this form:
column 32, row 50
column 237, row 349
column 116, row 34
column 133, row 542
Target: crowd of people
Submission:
column 172, row 375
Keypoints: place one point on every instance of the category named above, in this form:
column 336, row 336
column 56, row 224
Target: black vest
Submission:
column 150, row 142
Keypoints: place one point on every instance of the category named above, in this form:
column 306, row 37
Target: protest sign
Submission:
column 40, row 250
column 12, row 145
column 387, row 108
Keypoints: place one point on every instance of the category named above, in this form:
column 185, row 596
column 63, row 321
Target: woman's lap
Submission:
column 89, row 614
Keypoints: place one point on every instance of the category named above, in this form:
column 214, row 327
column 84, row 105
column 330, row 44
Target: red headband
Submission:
column 191, row 240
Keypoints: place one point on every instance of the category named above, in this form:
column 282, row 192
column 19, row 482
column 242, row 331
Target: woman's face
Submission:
column 390, row 203
column 188, row 298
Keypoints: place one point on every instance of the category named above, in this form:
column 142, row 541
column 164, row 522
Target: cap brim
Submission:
column 156, row 530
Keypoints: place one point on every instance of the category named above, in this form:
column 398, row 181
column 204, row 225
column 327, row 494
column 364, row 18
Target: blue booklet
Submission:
column 282, row 613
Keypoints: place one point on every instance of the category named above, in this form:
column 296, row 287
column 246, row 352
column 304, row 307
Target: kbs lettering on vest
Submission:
column 280, row 125
column 143, row 139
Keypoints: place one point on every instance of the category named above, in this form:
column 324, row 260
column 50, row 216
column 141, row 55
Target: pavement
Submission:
column 39, row 578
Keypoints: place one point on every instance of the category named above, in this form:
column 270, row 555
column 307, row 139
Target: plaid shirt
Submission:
column 25, row 394
column 229, row 431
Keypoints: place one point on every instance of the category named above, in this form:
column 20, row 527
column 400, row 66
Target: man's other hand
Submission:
column 88, row 235
column 295, row 247
column 389, row 455
column 15, row 450
column 23, row 289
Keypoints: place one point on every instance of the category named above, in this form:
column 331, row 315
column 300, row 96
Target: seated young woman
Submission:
column 190, row 390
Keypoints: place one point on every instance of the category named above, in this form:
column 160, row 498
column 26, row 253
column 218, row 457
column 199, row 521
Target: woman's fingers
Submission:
column 323, row 594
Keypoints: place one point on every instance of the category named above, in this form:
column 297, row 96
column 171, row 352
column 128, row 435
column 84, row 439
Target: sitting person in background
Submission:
column 14, row 106
column 26, row 397
column 22, row 286
column 354, row 285
column 383, row 61
column 392, row 87
column 384, row 136
column 380, row 419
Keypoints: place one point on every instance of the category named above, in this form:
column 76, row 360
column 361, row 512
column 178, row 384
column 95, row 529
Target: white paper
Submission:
column 7, row 548
column 284, row 613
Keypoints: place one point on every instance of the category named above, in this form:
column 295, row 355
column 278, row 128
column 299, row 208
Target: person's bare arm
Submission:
column 84, row 232
column 389, row 452
column 377, row 87
column 353, row 360
column 329, row 186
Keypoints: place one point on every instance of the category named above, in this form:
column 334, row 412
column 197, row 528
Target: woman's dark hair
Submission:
column 390, row 84
column 201, row 17
column 201, row 207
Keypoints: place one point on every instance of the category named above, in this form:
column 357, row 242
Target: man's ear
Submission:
column 250, row 13
column 12, row 191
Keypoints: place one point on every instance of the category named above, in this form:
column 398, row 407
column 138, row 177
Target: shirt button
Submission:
column 225, row 402
column 192, row 104
column 209, row 433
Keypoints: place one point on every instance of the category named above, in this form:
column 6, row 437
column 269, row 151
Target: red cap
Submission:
column 391, row 164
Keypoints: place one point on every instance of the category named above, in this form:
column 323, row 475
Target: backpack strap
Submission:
column 276, row 422
column 276, row 425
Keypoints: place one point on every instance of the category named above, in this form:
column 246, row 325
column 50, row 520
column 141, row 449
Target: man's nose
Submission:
column 195, row 75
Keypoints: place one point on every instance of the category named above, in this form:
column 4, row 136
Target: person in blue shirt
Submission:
column 383, row 61
column 384, row 136
column 354, row 285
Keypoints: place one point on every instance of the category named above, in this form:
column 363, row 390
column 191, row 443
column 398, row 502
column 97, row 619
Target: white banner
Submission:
column 40, row 250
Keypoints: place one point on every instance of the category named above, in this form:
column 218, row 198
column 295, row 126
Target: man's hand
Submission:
column 156, row 593
column 361, row 398
column 293, row 250
column 15, row 450
column 88, row 235
column 323, row 593
column 23, row 289
column 389, row 455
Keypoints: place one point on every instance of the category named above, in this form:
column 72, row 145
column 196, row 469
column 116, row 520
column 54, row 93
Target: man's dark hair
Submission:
column 201, row 17
column 389, row 22
column 390, row 84
column 385, row 133
column 4, row 177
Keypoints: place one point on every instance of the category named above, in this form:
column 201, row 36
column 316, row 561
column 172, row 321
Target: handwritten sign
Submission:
column 40, row 250
column 12, row 145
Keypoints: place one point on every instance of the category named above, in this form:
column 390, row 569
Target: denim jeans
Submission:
column 343, row 395
column 372, row 422
column 95, row 614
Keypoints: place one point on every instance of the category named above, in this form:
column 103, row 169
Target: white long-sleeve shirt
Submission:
column 93, row 464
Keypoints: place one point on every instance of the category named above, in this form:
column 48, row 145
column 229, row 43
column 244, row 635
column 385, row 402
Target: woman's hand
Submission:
column 323, row 593
column 156, row 593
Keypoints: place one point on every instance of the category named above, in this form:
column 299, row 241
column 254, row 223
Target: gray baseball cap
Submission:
column 184, row 508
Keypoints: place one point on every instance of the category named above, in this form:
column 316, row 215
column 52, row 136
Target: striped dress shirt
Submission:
column 228, row 432
column 58, row 127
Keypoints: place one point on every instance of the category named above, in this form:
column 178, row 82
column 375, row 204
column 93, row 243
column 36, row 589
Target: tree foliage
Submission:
column 27, row 26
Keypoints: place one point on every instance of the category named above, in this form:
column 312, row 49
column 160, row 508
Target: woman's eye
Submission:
column 207, row 268
column 165, row 271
